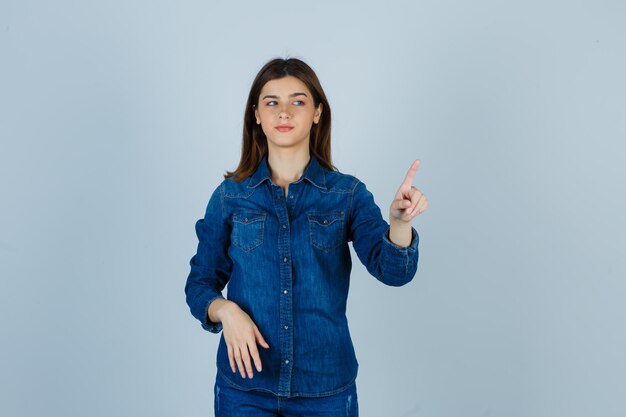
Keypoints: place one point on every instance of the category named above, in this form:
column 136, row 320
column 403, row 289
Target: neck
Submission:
column 287, row 165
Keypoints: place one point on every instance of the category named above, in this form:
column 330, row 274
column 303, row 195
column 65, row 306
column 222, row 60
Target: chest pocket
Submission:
column 248, row 229
column 326, row 230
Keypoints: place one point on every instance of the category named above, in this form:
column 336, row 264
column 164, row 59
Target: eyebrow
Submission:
column 290, row 95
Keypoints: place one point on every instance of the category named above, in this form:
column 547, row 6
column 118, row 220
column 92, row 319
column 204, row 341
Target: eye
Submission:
column 273, row 103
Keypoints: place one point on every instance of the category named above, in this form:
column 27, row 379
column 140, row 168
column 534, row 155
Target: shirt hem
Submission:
column 296, row 394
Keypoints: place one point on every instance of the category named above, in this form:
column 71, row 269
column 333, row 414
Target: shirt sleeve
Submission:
column 391, row 264
column 210, row 266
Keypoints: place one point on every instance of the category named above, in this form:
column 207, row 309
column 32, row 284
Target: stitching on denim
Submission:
column 259, row 241
column 314, row 224
column 335, row 191
column 241, row 195
column 226, row 377
column 222, row 201
column 356, row 182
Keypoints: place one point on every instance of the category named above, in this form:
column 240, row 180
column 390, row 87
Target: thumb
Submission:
column 259, row 338
column 400, row 203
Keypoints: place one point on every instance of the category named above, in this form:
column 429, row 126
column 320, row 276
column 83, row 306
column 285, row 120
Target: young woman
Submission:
column 277, row 230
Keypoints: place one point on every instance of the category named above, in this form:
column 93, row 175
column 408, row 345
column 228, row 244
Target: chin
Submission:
column 286, row 143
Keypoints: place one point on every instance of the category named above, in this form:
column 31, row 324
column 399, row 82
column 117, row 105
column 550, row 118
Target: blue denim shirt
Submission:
column 287, row 264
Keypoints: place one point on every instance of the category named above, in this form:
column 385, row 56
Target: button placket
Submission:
column 282, row 206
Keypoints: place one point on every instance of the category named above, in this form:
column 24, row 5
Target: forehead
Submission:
column 282, row 87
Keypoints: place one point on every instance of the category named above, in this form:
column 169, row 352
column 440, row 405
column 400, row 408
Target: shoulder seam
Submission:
column 221, row 187
column 356, row 183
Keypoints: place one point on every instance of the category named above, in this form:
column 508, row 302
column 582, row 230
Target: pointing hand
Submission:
column 409, row 201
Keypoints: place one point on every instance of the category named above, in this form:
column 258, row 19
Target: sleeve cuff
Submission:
column 403, row 250
column 399, row 264
column 208, row 325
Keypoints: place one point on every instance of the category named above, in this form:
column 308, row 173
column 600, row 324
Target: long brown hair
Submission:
column 254, row 145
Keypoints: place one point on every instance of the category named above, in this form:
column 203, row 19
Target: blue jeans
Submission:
column 233, row 402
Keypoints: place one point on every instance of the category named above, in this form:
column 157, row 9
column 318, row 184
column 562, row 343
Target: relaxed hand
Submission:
column 241, row 336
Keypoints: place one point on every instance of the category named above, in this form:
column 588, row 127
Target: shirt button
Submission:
column 290, row 196
column 286, row 327
column 286, row 360
column 325, row 221
column 285, row 292
column 284, row 226
column 284, row 259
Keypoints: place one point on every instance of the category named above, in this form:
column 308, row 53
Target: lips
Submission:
column 284, row 128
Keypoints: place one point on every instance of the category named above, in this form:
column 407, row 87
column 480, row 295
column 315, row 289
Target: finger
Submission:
column 408, row 179
column 401, row 203
column 415, row 199
column 231, row 358
column 245, row 356
column 260, row 339
column 256, row 358
column 423, row 204
column 255, row 352
column 420, row 207
column 239, row 361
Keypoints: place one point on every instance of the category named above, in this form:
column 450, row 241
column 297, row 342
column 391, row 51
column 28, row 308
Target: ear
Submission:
column 256, row 115
column 318, row 114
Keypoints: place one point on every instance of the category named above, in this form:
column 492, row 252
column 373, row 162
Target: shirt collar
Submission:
column 313, row 172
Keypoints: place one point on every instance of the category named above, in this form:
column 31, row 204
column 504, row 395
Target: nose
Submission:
column 283, row 114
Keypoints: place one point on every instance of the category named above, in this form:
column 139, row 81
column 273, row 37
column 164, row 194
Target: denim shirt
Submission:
column 287, row 264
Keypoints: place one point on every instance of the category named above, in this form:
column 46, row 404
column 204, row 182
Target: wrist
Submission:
column 399, row 224
column 217, row 308
column 400, row 233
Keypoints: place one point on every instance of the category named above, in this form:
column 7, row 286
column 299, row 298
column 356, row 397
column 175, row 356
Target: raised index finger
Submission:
column 408, row 179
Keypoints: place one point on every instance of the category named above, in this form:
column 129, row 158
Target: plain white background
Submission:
column 118, row 118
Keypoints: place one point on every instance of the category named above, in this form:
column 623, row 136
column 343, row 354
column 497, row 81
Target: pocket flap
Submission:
column 326, row 219
column 248, row 216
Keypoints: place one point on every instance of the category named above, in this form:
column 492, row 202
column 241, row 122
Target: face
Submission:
column 286, row 102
